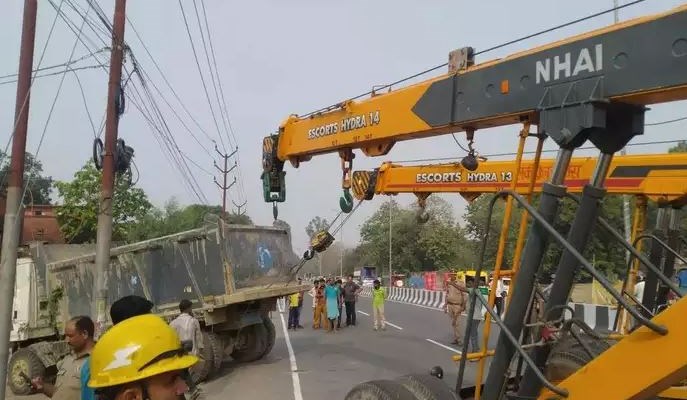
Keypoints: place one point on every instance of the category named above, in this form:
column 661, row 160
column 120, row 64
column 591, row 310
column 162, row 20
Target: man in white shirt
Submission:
column 188, row 328
column 639, row 287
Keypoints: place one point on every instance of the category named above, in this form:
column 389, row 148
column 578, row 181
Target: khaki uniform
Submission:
column 68, row 383
column 456, row 300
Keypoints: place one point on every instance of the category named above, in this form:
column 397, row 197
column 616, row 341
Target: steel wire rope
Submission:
column 508, row 43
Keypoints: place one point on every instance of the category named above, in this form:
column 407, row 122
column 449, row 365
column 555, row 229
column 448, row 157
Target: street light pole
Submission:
column 390, row 243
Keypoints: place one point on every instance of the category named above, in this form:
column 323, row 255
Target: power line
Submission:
column 224, row 102
column 530, row 36
column 200, row 72
column 147, row 116
column 64, row 64
column 670, row 121
column 57, row 73
column 195, row 163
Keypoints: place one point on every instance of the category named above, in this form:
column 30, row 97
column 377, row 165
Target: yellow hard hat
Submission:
column 135, row 349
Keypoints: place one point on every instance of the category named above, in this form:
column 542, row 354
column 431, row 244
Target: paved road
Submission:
column 327, row 366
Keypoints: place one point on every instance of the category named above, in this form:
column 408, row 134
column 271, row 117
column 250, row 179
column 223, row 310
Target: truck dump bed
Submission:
column 209, row 266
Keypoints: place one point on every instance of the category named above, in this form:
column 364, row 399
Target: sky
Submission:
column 277, row 58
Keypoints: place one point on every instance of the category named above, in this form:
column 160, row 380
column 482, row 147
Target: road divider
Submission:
column 599, row 317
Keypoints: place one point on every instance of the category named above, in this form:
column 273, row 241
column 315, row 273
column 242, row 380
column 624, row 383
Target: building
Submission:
column 40, row 223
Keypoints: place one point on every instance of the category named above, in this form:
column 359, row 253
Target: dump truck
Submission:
column 233, row 274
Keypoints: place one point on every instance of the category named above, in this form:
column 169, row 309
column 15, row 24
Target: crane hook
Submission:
column 346, row 201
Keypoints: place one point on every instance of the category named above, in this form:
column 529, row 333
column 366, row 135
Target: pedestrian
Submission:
column 350, row 291
column 129, row 306
column 340, row 301
column 500, row 296
column 477, row 316
column 188, row 328
column 78, row 333
column 301, row 294
column 320, row 316
column 293, row 302
column 378, row 297
column 140, row 358
column 331, row 294
column 456, row 301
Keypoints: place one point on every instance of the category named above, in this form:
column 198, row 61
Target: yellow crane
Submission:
column 590, row 87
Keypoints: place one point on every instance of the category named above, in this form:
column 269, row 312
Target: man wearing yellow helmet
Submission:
column 140, row 358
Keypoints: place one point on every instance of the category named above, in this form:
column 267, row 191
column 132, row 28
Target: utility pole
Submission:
column 104, row 235
column 225, row 172
column 342, row 254
column 627, row 218
column 239, row 207
column 13, row 210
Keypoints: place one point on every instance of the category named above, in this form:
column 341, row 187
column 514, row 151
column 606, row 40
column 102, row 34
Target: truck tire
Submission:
column 203, row 368
column 271, row 335
column 427, row 387
column 568, row 355
column 215, row 342
column 256, row 343
column 380, row 390
column 27, row 362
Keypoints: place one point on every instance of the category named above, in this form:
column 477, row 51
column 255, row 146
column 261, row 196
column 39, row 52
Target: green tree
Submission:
column 680, row 147
column 174, row 218
column 78, row 213
column 39, row 186
column 315, row 225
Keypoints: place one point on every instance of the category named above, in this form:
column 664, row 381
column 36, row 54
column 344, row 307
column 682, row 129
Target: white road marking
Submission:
column 444, row 346
column 297, row 395
column 394, row 325
column 387, row 322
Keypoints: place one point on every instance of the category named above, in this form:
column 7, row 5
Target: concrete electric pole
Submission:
column 104, row 235
column 225, row 172
column 13, row 210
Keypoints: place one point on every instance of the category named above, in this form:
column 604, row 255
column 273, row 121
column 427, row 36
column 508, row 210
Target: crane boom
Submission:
column 659, row 177
column 605, row 66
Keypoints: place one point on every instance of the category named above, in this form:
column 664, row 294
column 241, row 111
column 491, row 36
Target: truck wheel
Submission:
column 427, row 387
column 380, row 390
column 24, row 362
column 203, row 368
column 256, row 343
column 271, row 335
column 215, row 342
column 568, row 355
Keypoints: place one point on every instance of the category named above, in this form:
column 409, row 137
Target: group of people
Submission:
column 139, row 357
column 330, row 298
column 457, row 301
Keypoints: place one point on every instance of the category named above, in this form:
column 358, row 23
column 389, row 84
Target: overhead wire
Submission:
column 499, row 46
column 200, row 72
column 85, row 67
column 26, row 98
column 50, row 113
column 148, row 118
column 224, row 107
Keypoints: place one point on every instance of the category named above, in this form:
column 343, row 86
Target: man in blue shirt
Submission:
column 124, row 308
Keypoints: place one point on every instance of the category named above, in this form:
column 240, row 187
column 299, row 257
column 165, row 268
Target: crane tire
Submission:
column 26, row 361
column 427, row 387
column 271, row 335
column 256, row 338
column 380, row 390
